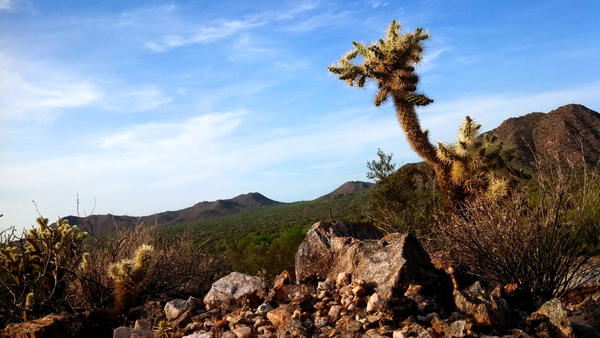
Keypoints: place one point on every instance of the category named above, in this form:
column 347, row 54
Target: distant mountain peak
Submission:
column 349, row 187
column 565, row 131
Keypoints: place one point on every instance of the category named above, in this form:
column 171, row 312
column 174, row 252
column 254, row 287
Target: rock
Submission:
column 91, row 323
column 182, row 320
column 316, row 253
column 590, row 309
column 127, row 332
column 459, row 328
column 229, row 334
column 557, row 316
column 343, row 279
column 199, row 335
column 478, row 311
column 374, row 303
column 243, row 332
column 235, row 290
column 142, row 324
column 263, row 308
column 390, row 264
column 48, row 326
column 279, row 317
column 177, row 307
column 334, row 312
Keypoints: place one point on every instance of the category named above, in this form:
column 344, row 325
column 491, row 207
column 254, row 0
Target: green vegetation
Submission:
column 264, row 240
column 38, row 268
column 404, row 199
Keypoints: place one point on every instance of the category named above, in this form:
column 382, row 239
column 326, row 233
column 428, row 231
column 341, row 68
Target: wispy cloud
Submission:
column 169, row 136
column 39, row 92
column 219, row 29
column 6, row 5
column 202, row 35
column 330, row 19
column 136, row 99
column 31, row 91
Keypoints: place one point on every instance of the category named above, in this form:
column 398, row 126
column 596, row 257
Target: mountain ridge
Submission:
column 565, row 131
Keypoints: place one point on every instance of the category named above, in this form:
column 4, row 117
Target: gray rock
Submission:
column 263, row 308
column 391, row 263
column 235, row 290
column 127, row 332
column 199, row 335
column 316, row 253
column 557, row 315
column 176, row 307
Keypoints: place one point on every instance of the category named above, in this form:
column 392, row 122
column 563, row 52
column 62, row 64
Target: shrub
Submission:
column 403, row 200
column 544, row 239
column 37, row 268
column 181, row 266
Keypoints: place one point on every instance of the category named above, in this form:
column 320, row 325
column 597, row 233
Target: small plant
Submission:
column 128, row 276
column 38, row 267
column 402, row 200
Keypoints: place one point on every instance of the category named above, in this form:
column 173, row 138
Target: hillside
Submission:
column 240, row 210
column 102, row 225
column 565, row 131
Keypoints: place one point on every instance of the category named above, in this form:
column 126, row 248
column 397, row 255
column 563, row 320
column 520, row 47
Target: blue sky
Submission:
column 146, row 106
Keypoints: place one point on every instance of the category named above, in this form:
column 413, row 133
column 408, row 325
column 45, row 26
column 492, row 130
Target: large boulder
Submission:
column 390, row 264
column 316, row 253
column 235, row 290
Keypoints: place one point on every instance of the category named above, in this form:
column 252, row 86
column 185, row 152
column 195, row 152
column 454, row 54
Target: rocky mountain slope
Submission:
column 565, row 131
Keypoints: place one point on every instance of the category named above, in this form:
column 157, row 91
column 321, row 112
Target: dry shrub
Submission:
column 181, row 266
column 543, row 237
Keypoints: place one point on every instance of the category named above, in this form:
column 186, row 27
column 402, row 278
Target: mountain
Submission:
column 250, row 203
column 101, row 225
column 566, row 131
column 348, row 188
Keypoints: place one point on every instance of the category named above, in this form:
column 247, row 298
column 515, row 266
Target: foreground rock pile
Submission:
column 351, row 281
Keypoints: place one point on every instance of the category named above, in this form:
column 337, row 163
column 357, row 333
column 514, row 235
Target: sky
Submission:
column 137, row 107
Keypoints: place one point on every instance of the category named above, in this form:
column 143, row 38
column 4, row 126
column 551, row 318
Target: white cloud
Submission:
column 170, row 136
column 6, row 5
column 39, row 92
column 151, row 167
column 136, row 99
column 201, row 35
column 176, row 31
column 32, row 91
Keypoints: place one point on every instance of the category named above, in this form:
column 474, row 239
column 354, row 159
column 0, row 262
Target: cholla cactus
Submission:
column 37, row 266
column 390, row 63
column 476, row 163
column 129, row 274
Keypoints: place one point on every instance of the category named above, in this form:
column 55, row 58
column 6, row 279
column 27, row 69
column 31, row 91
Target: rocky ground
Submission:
column 353, row 282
